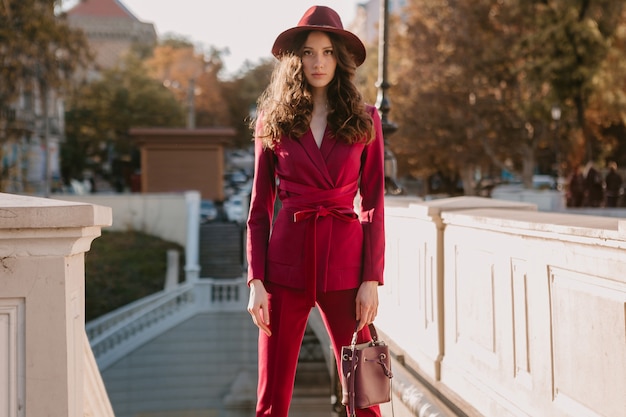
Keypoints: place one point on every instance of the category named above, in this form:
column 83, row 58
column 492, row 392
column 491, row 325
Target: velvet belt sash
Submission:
column 309, row 204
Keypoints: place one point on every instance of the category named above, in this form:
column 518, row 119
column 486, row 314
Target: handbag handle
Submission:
column 351, row 381
column 373, row 333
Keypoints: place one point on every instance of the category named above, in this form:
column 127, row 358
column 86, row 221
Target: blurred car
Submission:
column 241, row 159
column 246, row 188
column 540, row 182
column 235, row 208
column 237, row 177
column 208, row 211
column 544, row 182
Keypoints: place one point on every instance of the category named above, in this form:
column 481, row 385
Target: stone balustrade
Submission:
column 42, row 321
column 505, row 310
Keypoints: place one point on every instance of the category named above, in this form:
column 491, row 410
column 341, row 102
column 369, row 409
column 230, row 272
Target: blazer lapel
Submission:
column 328, row 144
column 317, row 155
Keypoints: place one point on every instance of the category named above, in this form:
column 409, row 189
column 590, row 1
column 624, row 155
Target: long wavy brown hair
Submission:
column 286, row 105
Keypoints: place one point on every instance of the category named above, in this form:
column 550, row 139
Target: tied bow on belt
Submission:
column 306, row 211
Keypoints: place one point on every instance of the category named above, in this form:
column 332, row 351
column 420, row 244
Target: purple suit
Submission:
column 318, row 249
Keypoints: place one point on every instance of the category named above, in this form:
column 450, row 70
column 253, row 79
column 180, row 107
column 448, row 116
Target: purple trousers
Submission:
column 289, row 310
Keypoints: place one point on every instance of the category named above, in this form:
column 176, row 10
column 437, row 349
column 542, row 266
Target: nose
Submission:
column 319, row 62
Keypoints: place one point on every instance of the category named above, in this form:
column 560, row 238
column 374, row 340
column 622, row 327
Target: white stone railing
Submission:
column 126, row 314
column 42, row 321
column 117, row 333
column 507, row 311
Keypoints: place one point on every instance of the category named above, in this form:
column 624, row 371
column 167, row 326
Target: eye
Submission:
column 329, row 52
column 307, row 52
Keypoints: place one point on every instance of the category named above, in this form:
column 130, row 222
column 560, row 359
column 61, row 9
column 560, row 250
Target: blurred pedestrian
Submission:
column 613, row 181
column 594, row 186
column 576, row 188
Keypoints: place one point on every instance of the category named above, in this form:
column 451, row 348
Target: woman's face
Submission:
column 318, row 60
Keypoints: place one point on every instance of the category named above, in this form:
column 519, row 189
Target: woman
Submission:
column 316, row 145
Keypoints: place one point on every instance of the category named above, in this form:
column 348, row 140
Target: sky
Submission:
column 247, row 28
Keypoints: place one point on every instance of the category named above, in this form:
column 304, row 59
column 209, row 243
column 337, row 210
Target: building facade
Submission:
column 34, row 129
column 111, row 29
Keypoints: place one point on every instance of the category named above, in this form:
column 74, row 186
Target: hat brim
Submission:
column 284, row 42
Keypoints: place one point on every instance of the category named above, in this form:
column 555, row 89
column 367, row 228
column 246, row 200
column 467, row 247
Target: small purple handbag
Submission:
column 366, row 373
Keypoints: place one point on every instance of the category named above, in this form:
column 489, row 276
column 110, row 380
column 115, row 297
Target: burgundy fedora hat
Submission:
column 323, row 19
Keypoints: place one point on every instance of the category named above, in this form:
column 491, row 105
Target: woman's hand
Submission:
column 366, row 303
column 258, row 306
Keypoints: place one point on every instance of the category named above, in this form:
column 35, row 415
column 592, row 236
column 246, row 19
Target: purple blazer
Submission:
column 318, row 241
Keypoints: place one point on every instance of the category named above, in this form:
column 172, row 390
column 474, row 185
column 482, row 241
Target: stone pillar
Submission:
column 192, row 249
column 42, row 303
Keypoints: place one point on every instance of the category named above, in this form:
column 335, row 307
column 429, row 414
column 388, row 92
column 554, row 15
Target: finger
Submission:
column 258, row 321
column 362, row 322
column 368, row 316
column 262, row 323
column 265, row 329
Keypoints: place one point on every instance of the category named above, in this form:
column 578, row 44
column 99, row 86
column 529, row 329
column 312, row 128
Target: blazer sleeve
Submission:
column 261, row 213
column 372, row 189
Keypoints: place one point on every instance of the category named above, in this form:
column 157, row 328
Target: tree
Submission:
column 476, row 80
column 241, row 94
column 451, row 75
column 101, row 113
column 38, row 55
column 606, row 111
column 193, row 78
column 568, row 50
column 35, row 44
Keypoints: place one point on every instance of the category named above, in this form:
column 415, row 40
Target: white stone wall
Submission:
column 159, row 214
column 517, row 312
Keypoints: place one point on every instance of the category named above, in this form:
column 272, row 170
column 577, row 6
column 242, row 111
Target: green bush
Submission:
column 122, row 267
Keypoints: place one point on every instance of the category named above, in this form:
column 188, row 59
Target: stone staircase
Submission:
column 221, row 250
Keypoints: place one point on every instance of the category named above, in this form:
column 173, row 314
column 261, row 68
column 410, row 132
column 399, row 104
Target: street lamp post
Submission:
column 391, row 185
column 555, row 112
column 191, row 106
